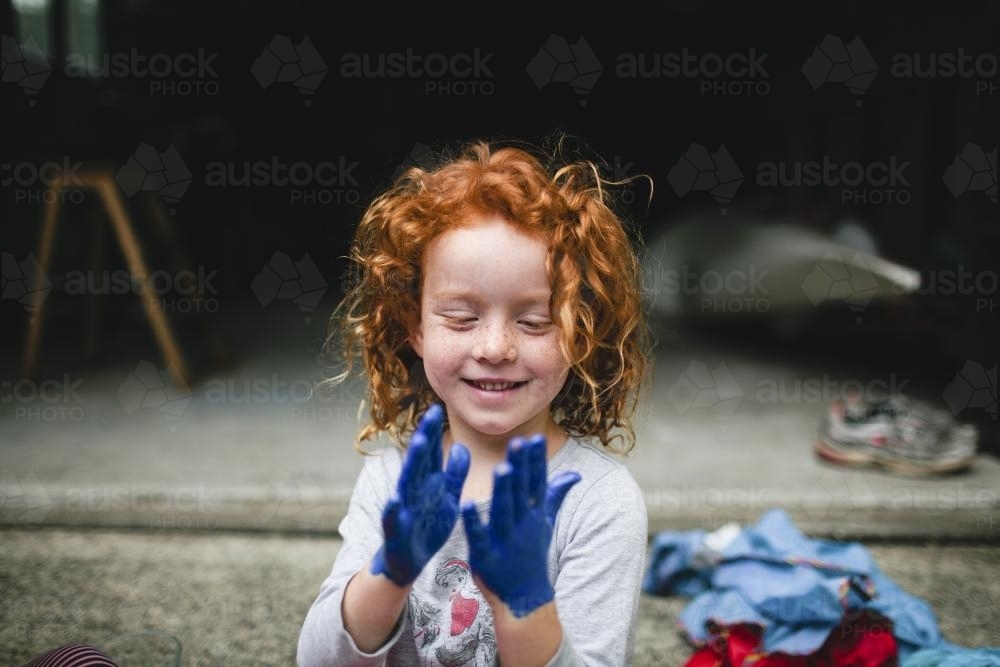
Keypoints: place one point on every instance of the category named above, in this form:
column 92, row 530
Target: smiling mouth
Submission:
column 495, row 386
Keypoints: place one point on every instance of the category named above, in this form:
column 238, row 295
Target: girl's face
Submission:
column 486, row 336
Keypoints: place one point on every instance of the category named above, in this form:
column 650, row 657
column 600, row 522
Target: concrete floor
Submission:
column 240, row 598
column 252, row 450
column 253, row 447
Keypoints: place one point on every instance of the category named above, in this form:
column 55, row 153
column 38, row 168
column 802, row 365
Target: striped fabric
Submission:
column 72, row 655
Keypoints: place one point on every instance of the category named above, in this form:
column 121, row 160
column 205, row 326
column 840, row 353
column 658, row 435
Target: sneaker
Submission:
column 906, row 436
column 901, row 404
column 925, row 444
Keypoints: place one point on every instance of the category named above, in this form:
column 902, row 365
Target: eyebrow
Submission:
column 529, row 298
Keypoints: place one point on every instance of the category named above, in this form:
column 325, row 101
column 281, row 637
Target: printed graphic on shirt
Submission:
column 461, row 633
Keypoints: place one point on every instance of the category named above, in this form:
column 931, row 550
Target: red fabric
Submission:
column 862, row 643
column 867, row 642
column 706, row 657
column 742, row 643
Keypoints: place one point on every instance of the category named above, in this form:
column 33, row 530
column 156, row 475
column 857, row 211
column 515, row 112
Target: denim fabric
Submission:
column 954, row 656
column 797, row 589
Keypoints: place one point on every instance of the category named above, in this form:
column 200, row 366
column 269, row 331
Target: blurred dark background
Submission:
column 112, row 484
column 372, row 125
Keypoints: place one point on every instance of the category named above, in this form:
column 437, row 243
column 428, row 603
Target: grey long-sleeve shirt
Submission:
column 595, row 563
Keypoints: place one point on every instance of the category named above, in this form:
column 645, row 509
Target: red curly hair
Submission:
column 592, row 265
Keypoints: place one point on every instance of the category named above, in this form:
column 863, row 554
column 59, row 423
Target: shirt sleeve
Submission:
column 323, row 640
column 600, row 568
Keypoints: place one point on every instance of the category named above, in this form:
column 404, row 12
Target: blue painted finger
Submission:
column 432, row 500
column 428, row 428
column 502, row 511
column 414, row 471
column 457, row 470
column 557, row 491
column 517, row 456
column 537, row 469
column 390, row 521
column 434, row 418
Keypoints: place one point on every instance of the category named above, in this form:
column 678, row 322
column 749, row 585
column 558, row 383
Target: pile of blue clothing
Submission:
column 797, row 590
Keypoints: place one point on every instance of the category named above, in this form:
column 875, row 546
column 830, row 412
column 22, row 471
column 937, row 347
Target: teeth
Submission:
column 494, row 386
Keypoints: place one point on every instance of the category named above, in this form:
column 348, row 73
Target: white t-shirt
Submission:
column 595, row 563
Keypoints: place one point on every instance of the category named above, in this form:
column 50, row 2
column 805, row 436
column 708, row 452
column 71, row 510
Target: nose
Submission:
column 495, row 344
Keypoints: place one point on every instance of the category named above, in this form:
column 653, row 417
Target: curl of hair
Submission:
column 592, row 265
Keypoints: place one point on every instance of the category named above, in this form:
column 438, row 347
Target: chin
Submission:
column 493, row 427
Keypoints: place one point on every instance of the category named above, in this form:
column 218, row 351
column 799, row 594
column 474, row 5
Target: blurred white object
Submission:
column 854, row 234
column 732, row 266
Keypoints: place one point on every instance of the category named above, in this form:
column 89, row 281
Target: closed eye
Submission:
column 536, row 325
column 460, row 320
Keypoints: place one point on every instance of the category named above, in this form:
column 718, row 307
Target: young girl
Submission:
column 508, row 291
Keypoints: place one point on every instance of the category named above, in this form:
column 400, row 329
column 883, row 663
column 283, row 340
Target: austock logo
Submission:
column 149, row 170
column 469, row 73
column 840, row 497
column 973, row 387
column 298, row 64
column 834, row 62
column 24, row 282
column 700, row 171
column 836, row 277
column 732, row 74
column 146, row 387
column 974, row 170
column 286, row 496
column 853, row 65
column 282, row 278
column 46, row 400
column 23, row 499
column 948, row 282
column 698, row 387
column 947, row 66
column 192, row 74
column 327, row 182
column 56, row 181
column 557, row 61
column 974, row 603
column 877, row 182
column 26, row 66
column 421, row 156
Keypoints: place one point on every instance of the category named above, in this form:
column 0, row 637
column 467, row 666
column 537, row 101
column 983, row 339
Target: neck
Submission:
column 490, row 449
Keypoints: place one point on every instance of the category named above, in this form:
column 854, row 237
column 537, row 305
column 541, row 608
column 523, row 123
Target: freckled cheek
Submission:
column 443, row 350
column 546, row 356
column 443, row 358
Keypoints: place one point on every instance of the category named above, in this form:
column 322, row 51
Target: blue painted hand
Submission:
column 420, row 517
column 511, row 556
